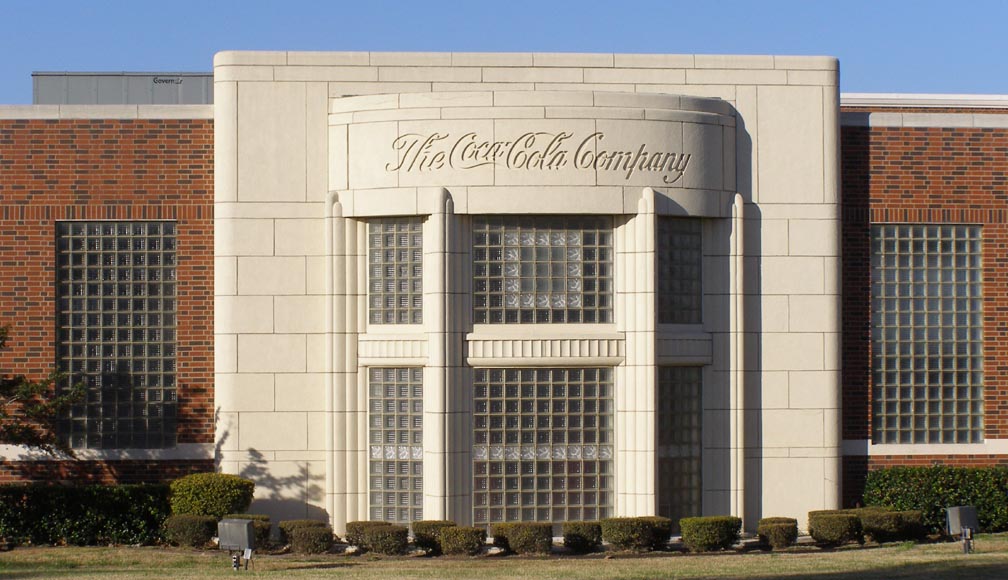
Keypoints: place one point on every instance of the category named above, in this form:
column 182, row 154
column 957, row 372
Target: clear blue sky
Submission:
column 884, row 46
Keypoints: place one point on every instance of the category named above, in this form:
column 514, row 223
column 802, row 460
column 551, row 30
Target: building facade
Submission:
column 501, row 287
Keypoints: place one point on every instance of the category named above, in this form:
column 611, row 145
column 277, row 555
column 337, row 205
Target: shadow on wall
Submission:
column 284, row 490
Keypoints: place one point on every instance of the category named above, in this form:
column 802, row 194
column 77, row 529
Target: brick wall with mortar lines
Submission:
column 98, row 169
column 921, row 175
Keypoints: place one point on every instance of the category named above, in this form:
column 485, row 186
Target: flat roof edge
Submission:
column 25, row 112
column 936, row 100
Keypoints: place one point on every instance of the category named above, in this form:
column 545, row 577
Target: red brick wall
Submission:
column 54, row 170
column 922, row 175
column 130, row 471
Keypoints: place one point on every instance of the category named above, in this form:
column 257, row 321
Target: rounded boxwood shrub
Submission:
column 389, row 539
column 461, row 540
column 833, row 528
column 189, row 529
column 582, row 537
column 355, row 532
column 628, row 533
column 211, row 494
column 661, row 528
column 310, row 539
column 892, row 526
column 530, row 537
column 777, row 533
column 287, row 526
column 425, row 534
column 704, row 534
column 500, row 534
column 260, row 527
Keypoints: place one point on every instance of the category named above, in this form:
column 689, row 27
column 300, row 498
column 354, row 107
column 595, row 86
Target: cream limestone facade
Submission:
column 312, row 147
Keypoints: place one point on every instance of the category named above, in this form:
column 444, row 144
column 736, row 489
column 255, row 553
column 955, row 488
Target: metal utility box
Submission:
column 235, row 534
column 959, row 517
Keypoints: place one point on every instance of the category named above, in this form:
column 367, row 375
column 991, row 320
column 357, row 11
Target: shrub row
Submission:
column 307, row 536
column 710, row 533
column 932, row 489
column 460, row 540
column 379, row 537
column 189, row 530
column 777, row 533
column 523, row 537
column 83, row 515
column 834, row 527
column 640, row 533
column 582, row 537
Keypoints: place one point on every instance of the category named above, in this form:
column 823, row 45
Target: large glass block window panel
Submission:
column 395, row 434
column 927, row 334
column 679, row 261
column 678, row 421
column 395, row 270
column 542, row 446
column 115, row 294
column 541, row 269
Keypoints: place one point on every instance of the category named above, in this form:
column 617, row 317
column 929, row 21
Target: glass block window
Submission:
column 542, row 269
column 115, row 295
column 679, row 420
column 679, row 261
column 395, row 433
column 543, row 447
column 927, row 334
column 395, row 270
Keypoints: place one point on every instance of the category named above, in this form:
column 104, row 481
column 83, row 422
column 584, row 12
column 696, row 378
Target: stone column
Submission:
column 634, row 395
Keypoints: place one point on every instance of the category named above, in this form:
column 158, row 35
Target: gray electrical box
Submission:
column 235, row 534
column 959, row 517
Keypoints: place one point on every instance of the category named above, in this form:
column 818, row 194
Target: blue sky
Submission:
column 883, row 46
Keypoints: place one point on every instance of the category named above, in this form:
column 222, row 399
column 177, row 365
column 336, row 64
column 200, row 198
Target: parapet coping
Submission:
column 106, row 111
column 924, row 120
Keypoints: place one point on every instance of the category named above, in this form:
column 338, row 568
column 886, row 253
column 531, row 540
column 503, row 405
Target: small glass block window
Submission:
column 395, row 270
column 927, row 334
column 679, row 262
column 115, row 332
column 395, row 442
column 679, row 422
column 542, row 269
column 543, row 445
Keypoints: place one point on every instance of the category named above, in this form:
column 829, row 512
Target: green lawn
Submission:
column 890, row 561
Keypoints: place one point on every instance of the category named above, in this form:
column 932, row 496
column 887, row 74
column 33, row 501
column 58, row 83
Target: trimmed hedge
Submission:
column 500, row 533
column 355, row 532
column 460, row 540
column 190, row 529
column 390, row 540
column 261, row 527
column 530, row 537
column 582, row 537
column 629, row 533
column 425, row 534
column 835, row 527
column 932, row 489
column 661, row 531
column 777, row 533
column 310, row 539
column 704, row 534
column 288, row 526
column 83, row 515
column 211, row 494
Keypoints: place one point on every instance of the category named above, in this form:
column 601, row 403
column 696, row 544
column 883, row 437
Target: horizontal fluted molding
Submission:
column 386, row 347
column 519, row 352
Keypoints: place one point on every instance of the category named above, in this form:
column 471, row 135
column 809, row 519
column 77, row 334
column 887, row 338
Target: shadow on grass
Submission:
column 322, row 566
column 952, row 568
